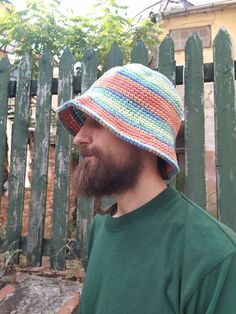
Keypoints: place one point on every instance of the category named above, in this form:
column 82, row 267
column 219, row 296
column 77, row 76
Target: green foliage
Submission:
column 42, row 26
column 38, row 27
column 8, row 256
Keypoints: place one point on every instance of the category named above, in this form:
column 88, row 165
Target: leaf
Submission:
column 42, row 26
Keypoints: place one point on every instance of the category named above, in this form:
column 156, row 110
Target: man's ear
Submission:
column 161, row 167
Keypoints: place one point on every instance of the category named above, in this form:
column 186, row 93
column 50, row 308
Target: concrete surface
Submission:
column 40, row 295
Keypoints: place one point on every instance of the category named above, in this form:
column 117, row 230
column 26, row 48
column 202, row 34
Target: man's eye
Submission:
column 92, row 122
column 97, row 124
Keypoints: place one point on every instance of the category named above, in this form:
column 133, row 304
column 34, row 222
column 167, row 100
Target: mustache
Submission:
column 87, row 152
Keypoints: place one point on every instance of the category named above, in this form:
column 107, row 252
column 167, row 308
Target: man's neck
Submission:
column 148, row 186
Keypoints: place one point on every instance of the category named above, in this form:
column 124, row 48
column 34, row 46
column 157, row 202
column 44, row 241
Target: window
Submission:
column 180, row 36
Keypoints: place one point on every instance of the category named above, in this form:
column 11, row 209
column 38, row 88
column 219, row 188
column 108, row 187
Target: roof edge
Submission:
column 200, row 9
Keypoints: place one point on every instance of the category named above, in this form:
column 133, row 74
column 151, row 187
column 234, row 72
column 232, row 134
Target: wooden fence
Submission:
column 221, row 72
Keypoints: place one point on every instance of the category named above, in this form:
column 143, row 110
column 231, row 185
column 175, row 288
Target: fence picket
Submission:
column 18, row 155
column 90, row 69
column 85, row 205
column 62, row 169
column 194, row 122
column 225, row 127
column 166, row 66
column 166, row 63
column 40, row 162
column 114, row 57
column 4, row 81
column 139, row 53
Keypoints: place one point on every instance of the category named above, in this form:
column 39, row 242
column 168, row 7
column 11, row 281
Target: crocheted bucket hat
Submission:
column 139, row 105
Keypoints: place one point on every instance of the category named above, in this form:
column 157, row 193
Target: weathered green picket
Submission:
column 225, row 135
column 114, row 57
column 62, row 169
column 139, row 53
column 4, row 79
column 18, row 155
column 40, row 162
column 166, row 60
column 194, row 122
column 167, row 66
column 225, row 121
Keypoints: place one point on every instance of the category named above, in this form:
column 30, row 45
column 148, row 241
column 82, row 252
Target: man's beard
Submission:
column 103, row 174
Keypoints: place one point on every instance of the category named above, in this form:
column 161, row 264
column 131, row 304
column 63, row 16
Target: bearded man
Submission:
column 155, row 251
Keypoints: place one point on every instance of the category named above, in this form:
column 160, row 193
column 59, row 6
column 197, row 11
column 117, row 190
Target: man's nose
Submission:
column 82, row 137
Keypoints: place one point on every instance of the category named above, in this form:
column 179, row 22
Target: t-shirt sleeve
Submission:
column 216, row 293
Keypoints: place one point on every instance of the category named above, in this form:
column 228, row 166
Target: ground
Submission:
column 39, row 290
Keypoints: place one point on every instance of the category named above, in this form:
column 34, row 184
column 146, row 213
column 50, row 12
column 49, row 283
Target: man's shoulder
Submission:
column 203, row 225
column 208, row 245
column 207, row 242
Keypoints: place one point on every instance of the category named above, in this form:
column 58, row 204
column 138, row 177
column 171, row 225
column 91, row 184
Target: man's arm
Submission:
column 217, row 291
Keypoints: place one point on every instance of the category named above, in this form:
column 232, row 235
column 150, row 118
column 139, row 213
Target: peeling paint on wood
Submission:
column 19, row 154
column 83, row 226
column 40, row 162
column 195, row 185
column 4, row 81
column 62, row 169
column 225, row 131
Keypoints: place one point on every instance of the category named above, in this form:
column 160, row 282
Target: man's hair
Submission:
column 161, row 165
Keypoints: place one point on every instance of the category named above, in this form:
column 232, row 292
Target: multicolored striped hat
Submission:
column 139, row 105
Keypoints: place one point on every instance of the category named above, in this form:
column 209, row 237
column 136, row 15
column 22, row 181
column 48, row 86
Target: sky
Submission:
column 82, row 7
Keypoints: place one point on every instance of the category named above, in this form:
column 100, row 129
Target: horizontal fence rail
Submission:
column 192, row 76
column 208, row 70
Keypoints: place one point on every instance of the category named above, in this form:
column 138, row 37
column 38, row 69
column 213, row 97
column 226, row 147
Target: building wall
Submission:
column 223, row 17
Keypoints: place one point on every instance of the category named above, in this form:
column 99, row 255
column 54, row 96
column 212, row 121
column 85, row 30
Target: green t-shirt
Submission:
column 168, row 256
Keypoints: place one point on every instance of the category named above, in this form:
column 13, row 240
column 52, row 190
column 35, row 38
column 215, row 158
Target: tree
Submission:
column 43, row 26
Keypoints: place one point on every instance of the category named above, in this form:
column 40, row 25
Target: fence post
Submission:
column 194, row 122
column 225, row 128
column 40, row 162
column 62, row 169
column 166, row 66
column 114, row 57
column 139, row 53
column 18, row 155
column 85, row 205
column 4, row 81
